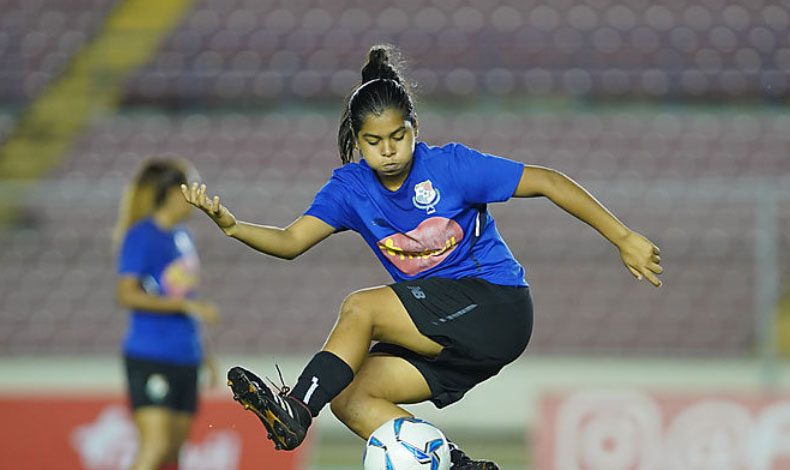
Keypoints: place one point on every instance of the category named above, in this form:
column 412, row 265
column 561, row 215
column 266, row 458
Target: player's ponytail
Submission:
column 147, row 191
column 382, row 87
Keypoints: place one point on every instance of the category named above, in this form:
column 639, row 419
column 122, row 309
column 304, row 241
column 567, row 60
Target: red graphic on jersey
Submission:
column 424, row 247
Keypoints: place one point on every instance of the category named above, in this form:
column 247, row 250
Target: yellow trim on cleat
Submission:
column 270, row 420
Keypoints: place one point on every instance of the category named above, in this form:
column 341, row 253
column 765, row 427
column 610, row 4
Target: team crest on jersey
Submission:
column 426, row 196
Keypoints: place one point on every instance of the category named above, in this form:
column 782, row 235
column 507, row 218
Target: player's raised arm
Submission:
column 640, row 256
column 287, row 243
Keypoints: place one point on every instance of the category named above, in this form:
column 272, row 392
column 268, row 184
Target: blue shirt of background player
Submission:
column 167, row 265
column 436, row 224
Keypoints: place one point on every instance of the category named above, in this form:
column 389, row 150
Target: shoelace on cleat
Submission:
column 283, row 389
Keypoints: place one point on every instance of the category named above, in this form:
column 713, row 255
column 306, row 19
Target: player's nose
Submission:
column 387, row 149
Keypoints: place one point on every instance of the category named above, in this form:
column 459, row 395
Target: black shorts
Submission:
column 154, row 383
column 482, row 326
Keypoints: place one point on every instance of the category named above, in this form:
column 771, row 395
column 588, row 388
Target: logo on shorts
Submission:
column 417, row 292
column 157, row 388
column 426, row 196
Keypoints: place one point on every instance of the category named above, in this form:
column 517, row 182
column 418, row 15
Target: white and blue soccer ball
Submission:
column 406, row 444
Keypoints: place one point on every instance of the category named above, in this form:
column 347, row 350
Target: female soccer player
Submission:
column 459, row 309
column 158, row 276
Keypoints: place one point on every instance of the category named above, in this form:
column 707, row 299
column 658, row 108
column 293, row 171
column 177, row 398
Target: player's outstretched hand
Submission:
column 196, row 195
column 641, row 257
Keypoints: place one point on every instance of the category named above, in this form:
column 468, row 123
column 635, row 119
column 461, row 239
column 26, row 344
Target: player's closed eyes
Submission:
column 400, row 136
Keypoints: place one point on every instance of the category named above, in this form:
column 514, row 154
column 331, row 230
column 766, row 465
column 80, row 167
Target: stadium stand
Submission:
column 237, row 51
column 37, row 39
column 586, row 301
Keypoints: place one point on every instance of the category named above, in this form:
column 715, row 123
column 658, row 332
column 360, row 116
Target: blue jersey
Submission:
column 167, row 265
column 437, row 223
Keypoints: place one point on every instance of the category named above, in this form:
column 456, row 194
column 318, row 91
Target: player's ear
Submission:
column 416, row 126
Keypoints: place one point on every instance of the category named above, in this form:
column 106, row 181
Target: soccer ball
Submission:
column 406, row 444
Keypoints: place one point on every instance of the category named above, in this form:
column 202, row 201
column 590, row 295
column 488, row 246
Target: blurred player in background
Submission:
column 158, row 271
column 459, row 309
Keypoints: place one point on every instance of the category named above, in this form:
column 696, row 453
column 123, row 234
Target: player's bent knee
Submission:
column 349, row 406
column 356, row 307
column 341, row 404
column 338, row 406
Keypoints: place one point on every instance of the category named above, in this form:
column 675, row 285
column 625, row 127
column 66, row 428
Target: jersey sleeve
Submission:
column 131, row 256
column 329, row 205
column 485, row 178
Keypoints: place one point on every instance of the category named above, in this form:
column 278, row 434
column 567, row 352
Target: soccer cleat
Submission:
column 460, row 461
column 286, row 419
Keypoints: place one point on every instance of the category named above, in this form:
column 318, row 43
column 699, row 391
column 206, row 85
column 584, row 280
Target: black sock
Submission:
column 324, row 377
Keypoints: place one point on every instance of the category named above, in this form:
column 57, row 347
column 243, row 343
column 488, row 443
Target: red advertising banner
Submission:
column 634, row 430
column 96, row 433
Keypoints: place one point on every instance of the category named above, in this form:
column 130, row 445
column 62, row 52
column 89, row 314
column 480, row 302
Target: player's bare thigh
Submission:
column 391, row 322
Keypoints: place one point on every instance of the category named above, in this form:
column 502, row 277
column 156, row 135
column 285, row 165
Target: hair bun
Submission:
column 378, row 54
column 379, row 65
